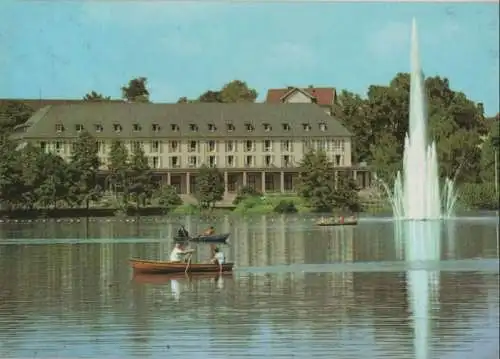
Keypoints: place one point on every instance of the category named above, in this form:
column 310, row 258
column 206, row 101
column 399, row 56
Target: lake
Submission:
column 299, row 291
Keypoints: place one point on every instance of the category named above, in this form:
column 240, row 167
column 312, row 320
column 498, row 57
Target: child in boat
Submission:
column 209, row 231
column 218, row 257
column 179, row 253
column 182, row 233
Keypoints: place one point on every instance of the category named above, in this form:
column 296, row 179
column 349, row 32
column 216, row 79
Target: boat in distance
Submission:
column 162, row 267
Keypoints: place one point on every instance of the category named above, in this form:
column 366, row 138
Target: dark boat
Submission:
column 148, row 266
column 331, row 222
column 214, row 238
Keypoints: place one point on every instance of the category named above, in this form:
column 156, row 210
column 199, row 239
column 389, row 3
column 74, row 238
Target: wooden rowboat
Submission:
column 336, row 222
column 148, row 266
column 214, row 238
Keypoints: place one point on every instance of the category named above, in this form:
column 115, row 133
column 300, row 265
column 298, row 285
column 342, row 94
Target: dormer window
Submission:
column 322, row 127
column 267, row 127
column 230, row 127
column 193, row 127
column 117, row 127
column 211, row 127
column 59, row 128
column 155, row 127
column 249, row 127
column 174, row 127
column 98, row 127
column 136, row 127
column 79, row 128
column 306, row 127
column 286, row 127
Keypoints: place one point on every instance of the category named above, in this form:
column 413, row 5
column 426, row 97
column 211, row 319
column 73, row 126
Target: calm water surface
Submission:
column 300, row 291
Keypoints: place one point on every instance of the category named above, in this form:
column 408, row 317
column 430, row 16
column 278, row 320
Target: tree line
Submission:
column 466, row 140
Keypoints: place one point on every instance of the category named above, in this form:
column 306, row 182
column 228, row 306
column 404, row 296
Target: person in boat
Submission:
column 182, row 232
column 218, row 257
column 209, row 231
column 179, row 253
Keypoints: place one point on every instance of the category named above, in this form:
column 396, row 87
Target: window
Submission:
column 79, row 128
column 268, row 146
column 136, row 127
column 174, row 162
column 193, row 127
column 174, row 146
column 249, row 127
column 193, row 145
column 267, row 127
column 155, row 146
column 136, row 145
column 286, row 127
column 211, row 147
column 230, row 127
column 58, row 146
column 322, row 127
column 249, row 146
column 230, row 161
column 174, row 127
column 321, row 145
column 286, row 161
column 338, row 145
column 59, row 127
column 193, row 161
column 230, row 146
column 98, row 127
column 100, row 146
column 268, row 160
column 211, row 127
column 306, row 127
column 307, row 145
column 117, row 128
column 212, row 161
column 43, row 145
column 155, row 127
column 248, row 161
column 155, row 162
column 338, row 160
column 286, row 145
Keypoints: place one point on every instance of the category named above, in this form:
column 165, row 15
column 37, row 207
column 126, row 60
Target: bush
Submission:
column 285, row 207
column 478, row 196
column 244, row 193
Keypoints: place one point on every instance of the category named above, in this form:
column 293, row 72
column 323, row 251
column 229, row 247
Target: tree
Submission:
column 136, row 90
column 13, row 113
column 84, row 166
column 237, row 91
column 96, row 97
column 209, row 186
column 52, row 180
column 140, row 187
column 10, row 180
column 118, row 166
column 168, row 198
column 345, row 196
column 317, row 181
column 210, row 96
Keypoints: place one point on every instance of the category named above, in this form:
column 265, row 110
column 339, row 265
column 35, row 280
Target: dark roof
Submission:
column 43, row 122
column 37, row 104
column 323, row 95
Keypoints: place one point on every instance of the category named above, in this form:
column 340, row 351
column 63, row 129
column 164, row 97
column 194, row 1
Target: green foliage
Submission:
column 96, row 97
column 244, row 193
column 140, row 187
column 136, row 90
column 345, row 197
column 285, row 207
column 118, row 166
column 84, row 166
column 168, row 198
column 12, row 114
column 317, row 181
column 479, row 196
column 232, row 92
column 209, row 186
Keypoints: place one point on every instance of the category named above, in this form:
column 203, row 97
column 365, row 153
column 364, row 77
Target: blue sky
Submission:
column 66, row 49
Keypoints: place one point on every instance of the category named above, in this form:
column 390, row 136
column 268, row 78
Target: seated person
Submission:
column 218, row 257
column 178, row 254
column 209, row 231
column 182, row 233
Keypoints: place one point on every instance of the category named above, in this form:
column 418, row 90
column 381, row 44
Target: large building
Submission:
column 258, row 145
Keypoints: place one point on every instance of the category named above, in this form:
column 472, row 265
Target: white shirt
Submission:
column 177, row 255
column 220, row 257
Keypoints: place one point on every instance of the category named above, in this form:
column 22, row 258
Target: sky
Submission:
column 64, row 49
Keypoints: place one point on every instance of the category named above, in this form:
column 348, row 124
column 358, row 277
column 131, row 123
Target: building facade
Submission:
column 257, row 145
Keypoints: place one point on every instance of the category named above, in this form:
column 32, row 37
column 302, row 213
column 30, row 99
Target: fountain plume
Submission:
column 416, row 193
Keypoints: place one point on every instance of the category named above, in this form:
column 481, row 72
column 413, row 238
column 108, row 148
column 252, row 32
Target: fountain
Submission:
column 416, row 194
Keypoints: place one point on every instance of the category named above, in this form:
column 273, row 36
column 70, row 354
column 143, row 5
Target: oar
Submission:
column 188, row 263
